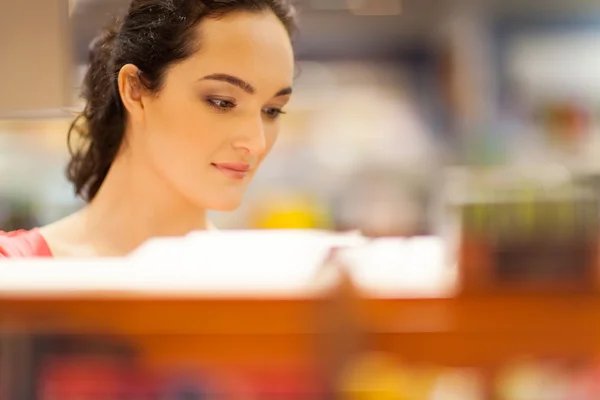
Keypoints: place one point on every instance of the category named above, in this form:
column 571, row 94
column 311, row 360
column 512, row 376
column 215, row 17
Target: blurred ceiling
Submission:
column 330, row 28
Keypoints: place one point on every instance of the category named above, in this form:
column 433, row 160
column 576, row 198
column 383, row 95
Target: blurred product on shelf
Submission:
column 523, row 380
column 369, row 376
column 109, row 376
column 70, row 367
column 288, row 210
column 567, row 124
column 382, row 202
column 548, row 380
column 187, row 386
column 17, row 214
column 379, row 376
column 527, row 229
column 586, row 383
column 458, row 384
column 374, row 376
column 77, row 377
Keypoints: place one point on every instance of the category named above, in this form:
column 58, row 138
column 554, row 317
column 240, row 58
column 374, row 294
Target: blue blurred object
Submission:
column 187, row 389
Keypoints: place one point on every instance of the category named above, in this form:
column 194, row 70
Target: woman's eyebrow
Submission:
column 242, row 84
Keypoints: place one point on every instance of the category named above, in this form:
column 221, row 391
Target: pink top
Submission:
column 23, row 244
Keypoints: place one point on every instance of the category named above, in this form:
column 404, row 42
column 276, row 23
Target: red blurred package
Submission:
column 586, row 384
column 141, row 385
column 82, row 378
column 284, row 384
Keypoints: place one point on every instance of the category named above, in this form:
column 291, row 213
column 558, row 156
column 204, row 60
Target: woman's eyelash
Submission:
column 273, row 113
column 221, row 105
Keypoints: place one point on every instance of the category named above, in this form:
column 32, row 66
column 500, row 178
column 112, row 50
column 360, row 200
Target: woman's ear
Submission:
column 131, row 90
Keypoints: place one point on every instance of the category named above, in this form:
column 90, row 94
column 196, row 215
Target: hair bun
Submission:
column 99, row 90
column 104, row 42
column 97, row 83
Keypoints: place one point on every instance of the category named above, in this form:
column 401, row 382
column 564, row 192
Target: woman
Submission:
column 182, row 105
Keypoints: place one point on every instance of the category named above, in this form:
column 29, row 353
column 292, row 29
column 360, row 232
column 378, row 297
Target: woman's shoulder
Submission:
column 23, row 243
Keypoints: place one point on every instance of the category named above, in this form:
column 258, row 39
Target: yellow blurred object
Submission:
column 457, row 384
column 288, row 219
column 289, row 211
column 523, row 380
column 375, row 377
column 423, row 383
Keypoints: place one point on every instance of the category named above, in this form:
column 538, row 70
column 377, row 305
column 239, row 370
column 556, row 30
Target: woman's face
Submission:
column 217, row 115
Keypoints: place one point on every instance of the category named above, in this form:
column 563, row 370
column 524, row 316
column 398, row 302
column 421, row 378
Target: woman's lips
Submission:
column 233, row 170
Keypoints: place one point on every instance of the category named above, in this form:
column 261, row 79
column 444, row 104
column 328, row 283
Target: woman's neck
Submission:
column 133, row 205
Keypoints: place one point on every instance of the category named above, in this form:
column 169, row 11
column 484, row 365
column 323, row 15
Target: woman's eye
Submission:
column 220, row 104
column 273, row 113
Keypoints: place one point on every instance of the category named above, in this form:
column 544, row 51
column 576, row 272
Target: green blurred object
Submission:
column 486, row 150
column 19, row 214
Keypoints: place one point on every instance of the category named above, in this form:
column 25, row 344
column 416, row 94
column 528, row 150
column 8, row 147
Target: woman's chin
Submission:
column 225, row 205
column 222, row 199
column 225, row 208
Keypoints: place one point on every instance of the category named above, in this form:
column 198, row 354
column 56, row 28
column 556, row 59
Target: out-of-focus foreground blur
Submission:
column 469, row 130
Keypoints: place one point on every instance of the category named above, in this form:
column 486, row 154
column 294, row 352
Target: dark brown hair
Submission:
column 153, row 35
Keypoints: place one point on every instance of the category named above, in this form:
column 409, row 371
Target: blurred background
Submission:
column 390, row 93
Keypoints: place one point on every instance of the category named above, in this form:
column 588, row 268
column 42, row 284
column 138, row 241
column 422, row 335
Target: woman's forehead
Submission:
column 253, row 46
